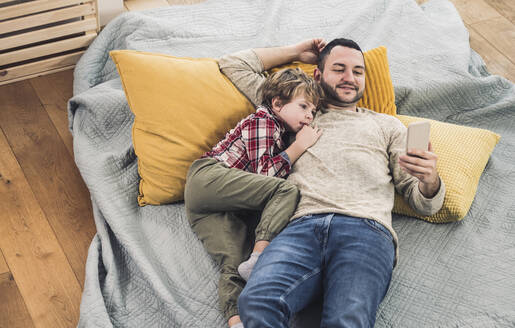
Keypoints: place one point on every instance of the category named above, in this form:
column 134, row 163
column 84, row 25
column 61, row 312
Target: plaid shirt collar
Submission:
column 264, row 111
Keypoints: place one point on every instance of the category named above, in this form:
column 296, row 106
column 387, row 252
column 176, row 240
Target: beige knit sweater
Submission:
column 353, row 168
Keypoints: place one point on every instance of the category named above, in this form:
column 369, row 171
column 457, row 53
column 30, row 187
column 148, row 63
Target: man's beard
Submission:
column 332, row 97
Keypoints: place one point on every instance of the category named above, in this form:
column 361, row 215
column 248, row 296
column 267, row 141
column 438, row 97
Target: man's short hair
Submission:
column 289, row 83
column 334, row 43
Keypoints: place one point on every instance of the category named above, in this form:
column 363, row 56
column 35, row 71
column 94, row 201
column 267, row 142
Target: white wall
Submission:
column 109, row 9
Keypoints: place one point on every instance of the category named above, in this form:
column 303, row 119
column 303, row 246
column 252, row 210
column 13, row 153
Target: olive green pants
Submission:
column 223, row 206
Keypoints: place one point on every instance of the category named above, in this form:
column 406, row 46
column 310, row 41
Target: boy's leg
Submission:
column 359, row 263
column 224, row 236
column 211, row 187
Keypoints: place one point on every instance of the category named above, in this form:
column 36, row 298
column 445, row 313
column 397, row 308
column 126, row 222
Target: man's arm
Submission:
column 422, row 165
column 306, row 51
column 246, row 68
column 420, row 184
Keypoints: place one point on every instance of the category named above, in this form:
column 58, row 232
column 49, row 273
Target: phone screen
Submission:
column 418, row 135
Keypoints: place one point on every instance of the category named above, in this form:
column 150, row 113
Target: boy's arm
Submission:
column 304, row 139
column 258, row 137
column 246, row 69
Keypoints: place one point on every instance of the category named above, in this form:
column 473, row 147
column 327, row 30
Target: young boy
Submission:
column 242, row 173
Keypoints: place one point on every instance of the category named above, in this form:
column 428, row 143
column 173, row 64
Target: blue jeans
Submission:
column 347, row 260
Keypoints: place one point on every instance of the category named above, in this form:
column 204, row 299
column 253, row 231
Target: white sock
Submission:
column 246, row 267
column 238, row 325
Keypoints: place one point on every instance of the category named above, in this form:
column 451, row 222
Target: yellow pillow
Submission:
column 182, row 107
column 462, row 156
column 379, row 94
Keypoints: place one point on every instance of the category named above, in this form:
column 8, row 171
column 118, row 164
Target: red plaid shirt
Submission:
column 255, row 145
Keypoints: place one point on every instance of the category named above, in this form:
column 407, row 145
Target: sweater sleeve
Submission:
column 245, row 70
column 406, row 184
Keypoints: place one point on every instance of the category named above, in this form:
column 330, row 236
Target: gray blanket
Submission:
column 146, row 268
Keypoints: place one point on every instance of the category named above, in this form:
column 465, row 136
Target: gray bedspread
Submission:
column 146, row 268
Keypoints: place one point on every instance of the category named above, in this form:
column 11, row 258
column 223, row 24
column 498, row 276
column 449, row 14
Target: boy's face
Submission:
column 295, row 114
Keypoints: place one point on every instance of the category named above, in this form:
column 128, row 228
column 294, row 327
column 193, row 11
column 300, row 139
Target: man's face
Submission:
column 343, row 77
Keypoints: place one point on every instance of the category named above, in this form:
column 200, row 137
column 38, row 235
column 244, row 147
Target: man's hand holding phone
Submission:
column 420, row 162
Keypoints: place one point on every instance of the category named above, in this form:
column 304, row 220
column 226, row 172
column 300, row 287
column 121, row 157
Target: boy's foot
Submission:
column 246, row 267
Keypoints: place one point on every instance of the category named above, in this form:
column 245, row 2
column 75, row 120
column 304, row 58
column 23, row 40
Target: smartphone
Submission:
column 418, row 135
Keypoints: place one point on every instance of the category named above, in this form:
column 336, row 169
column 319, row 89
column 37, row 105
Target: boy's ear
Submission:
column 277, row 104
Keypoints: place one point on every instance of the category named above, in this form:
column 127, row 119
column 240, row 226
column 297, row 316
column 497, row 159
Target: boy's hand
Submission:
column 307, row 136
column 308, row 50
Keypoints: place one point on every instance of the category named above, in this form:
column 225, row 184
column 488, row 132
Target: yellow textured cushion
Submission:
column 182, row 107
column 462, row 156
column 379, row 94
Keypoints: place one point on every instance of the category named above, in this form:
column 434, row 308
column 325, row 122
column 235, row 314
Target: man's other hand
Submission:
column 422, row 165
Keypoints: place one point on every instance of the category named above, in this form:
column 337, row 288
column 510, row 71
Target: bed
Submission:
column 146, row 268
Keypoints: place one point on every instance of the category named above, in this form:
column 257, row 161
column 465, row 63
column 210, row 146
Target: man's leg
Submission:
column 358, row 263
column 286, row 277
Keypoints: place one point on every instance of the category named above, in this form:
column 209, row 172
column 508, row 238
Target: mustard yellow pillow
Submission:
column 379, row 94
column 182, row 107
column 462, row 156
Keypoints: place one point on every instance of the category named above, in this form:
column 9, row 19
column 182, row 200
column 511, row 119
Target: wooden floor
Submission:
column 46, row 221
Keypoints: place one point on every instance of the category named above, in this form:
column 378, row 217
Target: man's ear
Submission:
column 277, row 104
column 317, row 74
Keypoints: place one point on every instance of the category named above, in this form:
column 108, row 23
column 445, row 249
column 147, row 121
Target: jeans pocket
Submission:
column 373, row 224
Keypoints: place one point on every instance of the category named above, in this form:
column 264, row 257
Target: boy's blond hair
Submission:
column 289, row 83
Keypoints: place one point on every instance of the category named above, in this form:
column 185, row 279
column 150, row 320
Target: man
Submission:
column 340, row 242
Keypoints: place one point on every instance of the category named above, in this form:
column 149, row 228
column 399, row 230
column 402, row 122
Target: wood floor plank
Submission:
column 496, row 62
column 50, row 171
column 3, row 265
column 54, row 90
column 473, row 11
column 44, row 277
column 505, row 7
column 500, row 33
column 14, row 313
